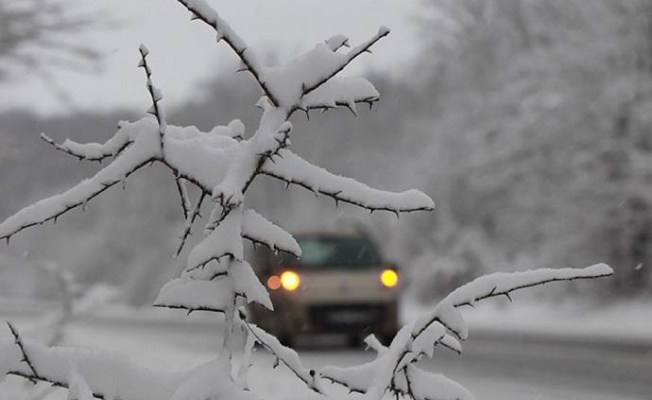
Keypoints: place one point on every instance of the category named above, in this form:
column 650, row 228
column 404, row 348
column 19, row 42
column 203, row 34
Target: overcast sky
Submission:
column 184, row 54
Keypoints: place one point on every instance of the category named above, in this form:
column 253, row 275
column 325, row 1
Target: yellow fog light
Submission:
column 389, row 278
column 290, row 280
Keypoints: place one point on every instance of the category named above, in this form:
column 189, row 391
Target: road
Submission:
column 491, row 367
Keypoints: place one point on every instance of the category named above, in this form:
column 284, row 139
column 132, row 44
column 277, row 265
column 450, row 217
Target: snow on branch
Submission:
column 136, row 156
column 224, row 240
column 247, row 285
column 340, row 92
column 493, row 285
column 204, row 12
column 211, row 381
column 395, row 367
column 423, row 385
column 261, row 231
column 334, row 69
column 293, row 169
column 108, row 375
column 392, row 370
column 78, row 388
column 194, row 295
column 503, row 283
column 284, row 355
column 93, row 151
column 247, row 159
column 302, row 76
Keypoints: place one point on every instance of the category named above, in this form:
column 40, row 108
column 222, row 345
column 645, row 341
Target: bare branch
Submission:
column 155, row 94
column 19, row 342
column 188, row 308
column 183, row 195
column 190, row 220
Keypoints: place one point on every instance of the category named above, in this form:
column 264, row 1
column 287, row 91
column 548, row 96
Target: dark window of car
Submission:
column 336, row 252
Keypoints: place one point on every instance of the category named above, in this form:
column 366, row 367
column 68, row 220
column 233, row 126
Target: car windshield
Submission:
column 351, row 251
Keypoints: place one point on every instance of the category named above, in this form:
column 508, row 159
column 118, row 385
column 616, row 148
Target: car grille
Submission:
column 341, row 316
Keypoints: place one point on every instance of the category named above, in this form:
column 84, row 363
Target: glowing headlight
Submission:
column 389, row 278
column 290, row 280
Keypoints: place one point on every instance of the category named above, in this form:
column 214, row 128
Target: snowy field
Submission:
column 525, row 368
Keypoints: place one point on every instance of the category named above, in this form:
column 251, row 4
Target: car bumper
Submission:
column 290, row 319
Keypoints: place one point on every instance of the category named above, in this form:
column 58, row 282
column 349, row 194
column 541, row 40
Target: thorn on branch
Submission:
column 351, row 108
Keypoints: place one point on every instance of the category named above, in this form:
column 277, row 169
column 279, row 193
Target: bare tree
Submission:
column 39, row 35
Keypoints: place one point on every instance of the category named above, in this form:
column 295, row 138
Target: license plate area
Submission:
column 339, row 316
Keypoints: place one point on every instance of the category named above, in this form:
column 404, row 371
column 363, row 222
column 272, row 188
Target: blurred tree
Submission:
column 541, row 107
column 36, row 35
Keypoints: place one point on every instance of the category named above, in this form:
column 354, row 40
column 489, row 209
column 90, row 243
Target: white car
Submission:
column 339, row 285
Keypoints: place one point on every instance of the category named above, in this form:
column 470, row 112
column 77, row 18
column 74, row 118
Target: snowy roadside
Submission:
column 620, row 323
column 625, row 323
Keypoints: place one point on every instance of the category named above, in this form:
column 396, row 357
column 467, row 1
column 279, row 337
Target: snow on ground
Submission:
column 166, row 340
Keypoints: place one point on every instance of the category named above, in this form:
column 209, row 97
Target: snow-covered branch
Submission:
column 261, row 231
column 93, row 151
column 204, row 12
column 395, row 367
column 293, row 169
column 334, row 69
column 504, row 283
column 108, row 375
column 132, row 159
column 284, row 355
column 223, row 164
column 340, row 92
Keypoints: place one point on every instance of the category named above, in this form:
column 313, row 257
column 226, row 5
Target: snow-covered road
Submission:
column 490, row 368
